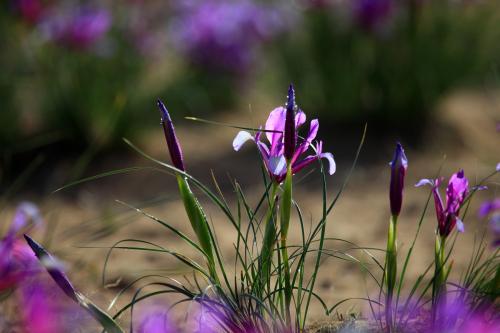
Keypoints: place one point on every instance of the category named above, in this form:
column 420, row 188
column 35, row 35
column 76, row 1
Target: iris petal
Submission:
column 240, row 139
column 423, row 182
column 277, row 165
column 460, row 225
column 332, row 166
column 275, row 122
column 300, row 118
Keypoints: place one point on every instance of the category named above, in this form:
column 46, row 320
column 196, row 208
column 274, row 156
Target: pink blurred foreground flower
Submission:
column 17, row 261
column 274, row 153
column 456, row 192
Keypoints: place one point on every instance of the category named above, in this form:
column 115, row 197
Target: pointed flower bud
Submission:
column 174, row 147
column 54, row 268
column 290, row 135
column 399, row 164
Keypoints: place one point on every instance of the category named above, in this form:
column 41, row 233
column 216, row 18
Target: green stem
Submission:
column 268, row 242
column 440, row 274
column 199, row 223
column 391, row 270
column 285, row 212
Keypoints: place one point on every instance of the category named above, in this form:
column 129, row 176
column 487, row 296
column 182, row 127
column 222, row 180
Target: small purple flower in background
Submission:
column 273, row 155
column 492, row 208
column 456, row 192
column 399, row 165
column 77, row 27
column 372, row 15
column 498, row 167
column 30, row 10
column 223, row 34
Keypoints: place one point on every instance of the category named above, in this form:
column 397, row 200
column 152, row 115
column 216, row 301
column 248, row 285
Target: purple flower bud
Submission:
column 399, row 164
column 53, row 267
column 174, row 147
column 290, row 132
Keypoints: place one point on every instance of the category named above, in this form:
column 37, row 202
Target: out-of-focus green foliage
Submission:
column 392, row 73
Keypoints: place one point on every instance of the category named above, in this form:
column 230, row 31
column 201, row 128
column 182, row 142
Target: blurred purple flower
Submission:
column 492, row 207
column 399, row 165
column 498, row 167
column 456, row 191
column 273, row 156
column 371, row 15
column 39, row 310
column 17, row 261
column 489, row 207
column 155, row 321
column 223, row 34
column 30, row 10
column 78, row 27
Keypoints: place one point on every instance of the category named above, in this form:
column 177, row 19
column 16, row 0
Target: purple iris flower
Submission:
column 274, row 154
column 223, row 34
column 78, row 27
column 371, row 15
column 399, row 165
column 456, row 192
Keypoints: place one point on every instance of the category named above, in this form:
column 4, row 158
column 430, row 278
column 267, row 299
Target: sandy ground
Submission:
column 84, row 220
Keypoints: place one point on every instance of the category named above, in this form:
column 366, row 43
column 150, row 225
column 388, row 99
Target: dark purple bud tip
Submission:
column 290, row 135
column 290, row 103
column 165, row 116
column 52, row 267
column 399, row 164
column 174, row 147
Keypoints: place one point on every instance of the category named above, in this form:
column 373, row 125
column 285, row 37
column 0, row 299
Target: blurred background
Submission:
column 78, row 76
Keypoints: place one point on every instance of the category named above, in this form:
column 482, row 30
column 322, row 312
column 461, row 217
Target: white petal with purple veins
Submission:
column 423, row 182
column 332, row 166
column 240, row 139
column 460, row 225
column 277, row 165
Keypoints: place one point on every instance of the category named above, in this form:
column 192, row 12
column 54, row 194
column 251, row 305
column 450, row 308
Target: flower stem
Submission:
column 199, row 223
column 440, row 274
column 285, row 211
column 268, row 241
column 391, row 270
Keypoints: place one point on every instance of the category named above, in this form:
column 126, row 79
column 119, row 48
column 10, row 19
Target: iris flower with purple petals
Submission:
column 274, row 154
column 456, row 192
